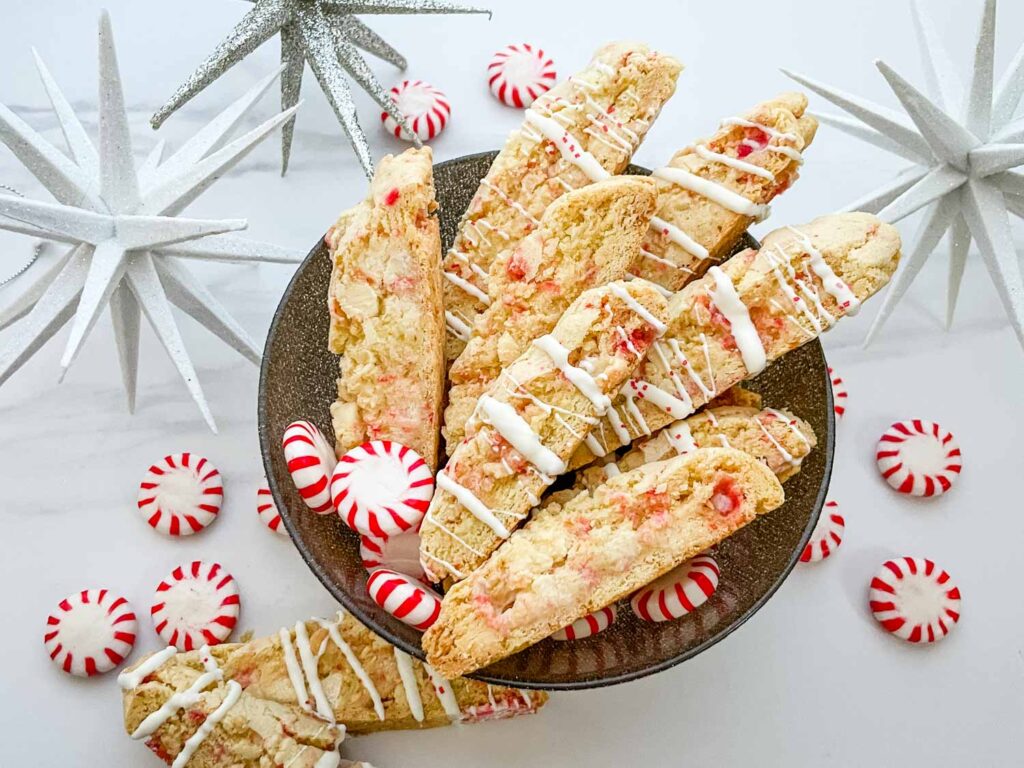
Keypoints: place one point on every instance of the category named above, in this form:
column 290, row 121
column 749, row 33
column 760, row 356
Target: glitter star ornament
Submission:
column 327, row 35
column 963, row 150
column 127, row 241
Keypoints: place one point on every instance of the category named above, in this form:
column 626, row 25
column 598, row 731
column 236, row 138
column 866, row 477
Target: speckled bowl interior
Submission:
column 297, row 381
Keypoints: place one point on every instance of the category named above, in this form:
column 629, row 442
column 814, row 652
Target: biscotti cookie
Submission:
column 582, row 130
column 595, row 550
column 532, row 419
column 587, row 238
column 710, row 192
column 298, row 684
column 753, row 309
column 777, row 438
column 387, row 322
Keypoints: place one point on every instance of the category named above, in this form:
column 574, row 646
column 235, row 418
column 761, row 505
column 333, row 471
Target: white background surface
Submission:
column 809, row 680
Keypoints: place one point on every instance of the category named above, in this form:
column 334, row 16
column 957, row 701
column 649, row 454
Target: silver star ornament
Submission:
column 327, row 35
column 962, row 148
column 128, row 243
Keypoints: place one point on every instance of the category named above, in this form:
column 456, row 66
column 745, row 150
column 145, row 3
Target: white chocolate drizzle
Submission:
column 743, row 331
column 733, row 162
column 611, row 469
column 309, row 668
column 510, row 202
column 196, row 739
column 129, row 681
column 507, row 422
column 579, row 378
column 472, row 504
column 642, row 312
column 594, row 445
column 713, row 191
column 569, row 146
column 659, row 398
column 181, row 699
column 680, row 437
column 457, row 327
column 832, row 283
column 445, row 694
column 353, row 661
column 412, row 689
column 680, row 238
column 467, row 286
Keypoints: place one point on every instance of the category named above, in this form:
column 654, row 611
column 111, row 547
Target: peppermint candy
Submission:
column 267, row 511
column 381, row 488
column 919, row 458
column 839, row 393
column 518, row 74
column 678, row 592
column 181, row 494
column 591, row 624
column 404, row 598
column 914, row 599
column 400, row 552
column 310, row 461
column 426, row 110
column 91, row 632
column 826, row 536
column 196, row 605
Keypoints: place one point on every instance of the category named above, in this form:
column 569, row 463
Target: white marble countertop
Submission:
column 809, row 680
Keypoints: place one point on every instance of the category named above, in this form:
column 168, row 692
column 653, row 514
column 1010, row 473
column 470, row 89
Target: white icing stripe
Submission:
column 744, row 123
column 467, row 286
column 659, row 398
column 611, row 470
column 733, row 162
column 329, row 760
column 743, row 330
column 680, row 238
column 618, row 427
column 309, row 668
column 642, row 312
column 680, row 437
column 294, row 671
column 579, row 378
column 450, row 568
column 412, row 689
column 507, row 422
column 353, row 661
column 445, row 694
column 510, row 202
column 456, row 327
column 182, row 699
column 473, row 505
column 196, row 739
column 594, row 445
column 635, row 413
column 791, row 423
column 786, row 455
column 433, row 521
column 659, row 288
column 570, row 147
column 832, row 283
column 789, row 152
column 129, row 681
column 713, row 191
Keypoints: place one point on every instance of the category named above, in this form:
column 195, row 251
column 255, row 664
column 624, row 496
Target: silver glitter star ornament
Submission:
column 327, row 35
column 126, row 236
column 962, row 151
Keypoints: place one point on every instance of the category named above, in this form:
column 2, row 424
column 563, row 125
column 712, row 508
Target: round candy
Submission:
column 826, row 536
column 91, row 632
column 919, row 458
column 404, row 598
column 196, row 605
column 381, row 488
column 426, row 110
column 267, row 511
column 839, row 393
column 400, row 552
column 310, row 461
column 681, row 590
column 915, row 599
column 591, row 624
column 518, row 74
column 181, row 494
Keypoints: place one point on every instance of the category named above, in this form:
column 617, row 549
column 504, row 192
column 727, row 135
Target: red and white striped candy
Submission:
column 310, row 461
column 196, row 605
column 826, row 536
column 91, row 632
column 181, row 494
column 267, row 511
column 919, row 458
column 677, row 593
column 404, row 598
column 518, row 74
column 839, row 393
column 381, row 488
column 591, row 624
column 915, row 599
column 400, row 552
column 426, row 110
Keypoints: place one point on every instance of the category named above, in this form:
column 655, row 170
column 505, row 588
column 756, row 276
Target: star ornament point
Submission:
column 327, row 35
column 963, row 150
column 126, row 242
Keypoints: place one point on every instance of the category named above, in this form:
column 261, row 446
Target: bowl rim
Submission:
column 827, row 445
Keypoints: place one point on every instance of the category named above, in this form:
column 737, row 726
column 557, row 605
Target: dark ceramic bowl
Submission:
column 297, row 382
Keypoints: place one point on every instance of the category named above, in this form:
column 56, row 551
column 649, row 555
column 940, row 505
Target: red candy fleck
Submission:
column 743, row 150
column 392, row 197
column 726, row 496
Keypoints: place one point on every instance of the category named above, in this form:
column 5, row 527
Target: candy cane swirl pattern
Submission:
column 919, row 458
column 589, row 625
column 914, row 599
column 181, row 494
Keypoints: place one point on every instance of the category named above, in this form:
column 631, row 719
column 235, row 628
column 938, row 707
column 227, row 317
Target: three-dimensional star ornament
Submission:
column 327, row 35
column 127, row 238
column 961, row 171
